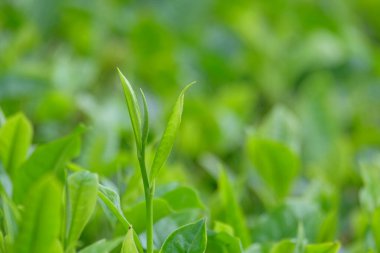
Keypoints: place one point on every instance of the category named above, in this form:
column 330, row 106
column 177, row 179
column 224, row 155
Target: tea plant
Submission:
column 191, row 238
column 48, row 201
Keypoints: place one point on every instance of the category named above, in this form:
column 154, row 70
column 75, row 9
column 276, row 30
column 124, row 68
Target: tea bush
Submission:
column 277, row 151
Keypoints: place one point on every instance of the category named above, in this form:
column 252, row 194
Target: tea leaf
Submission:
column 231, row 211
column 15, row 139
column 112, row 200
column 169, row 135
column 133, row 108
column 41, row 219
column 82, row 187
column 129, row 245
column 190, row 238
column 276, row 164
column 48, row 158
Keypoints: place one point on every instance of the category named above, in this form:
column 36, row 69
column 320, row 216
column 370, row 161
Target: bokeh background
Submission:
column 304, row 73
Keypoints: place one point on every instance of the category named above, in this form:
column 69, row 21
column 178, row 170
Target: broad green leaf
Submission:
column 102, row 246
column 191, row 238
column 231, row 212
column 129, row 245
column 82, row 187
column 133, row 108
column 112, row 201
column 41, row 219
column 49, row 158
column 332, row 247
column 15, row 139
column 168, row 137
column 275, row 163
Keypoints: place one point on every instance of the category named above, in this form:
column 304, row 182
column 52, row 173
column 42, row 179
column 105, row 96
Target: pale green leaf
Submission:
column 112, row 201
column 82, row 187
column 129, row 245
column 15, row 139
column 231, row 212
column 133, row 108
column 169, row 135
column 275, row 163
column 48, row 158
column 191, row 238
column 41, row 219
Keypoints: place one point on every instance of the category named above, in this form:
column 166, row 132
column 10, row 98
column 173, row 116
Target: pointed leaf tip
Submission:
column 168, row 138
column 133, row 108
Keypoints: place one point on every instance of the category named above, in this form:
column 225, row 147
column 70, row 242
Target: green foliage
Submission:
column 287, row 104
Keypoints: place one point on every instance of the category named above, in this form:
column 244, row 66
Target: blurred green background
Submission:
column 304, row 73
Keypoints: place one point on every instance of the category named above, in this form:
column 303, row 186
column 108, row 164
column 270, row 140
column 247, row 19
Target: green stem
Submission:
column 149, row 194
